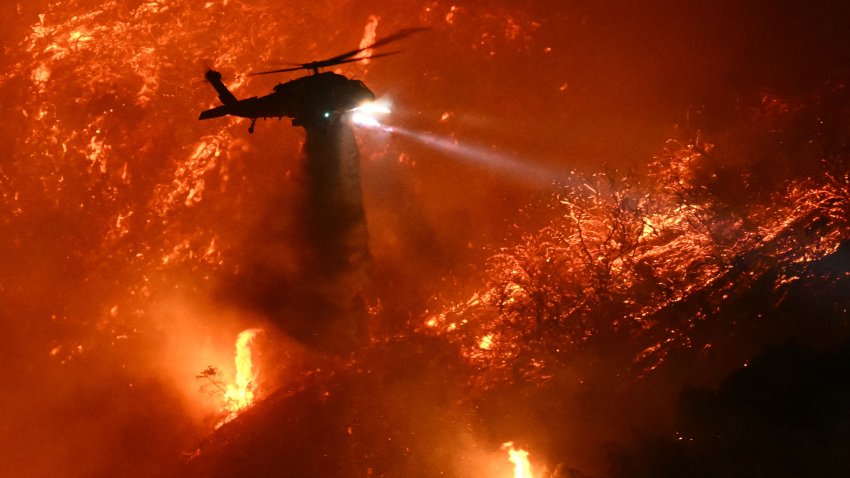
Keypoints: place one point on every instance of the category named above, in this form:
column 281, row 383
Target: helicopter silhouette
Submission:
column 312, row 100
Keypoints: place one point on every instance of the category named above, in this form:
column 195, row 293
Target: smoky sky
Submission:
column 617, row 75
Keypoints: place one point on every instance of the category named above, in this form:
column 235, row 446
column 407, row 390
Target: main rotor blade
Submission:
column 352, row 60
column 403, row 33
column 276, row 71
column 347, row 56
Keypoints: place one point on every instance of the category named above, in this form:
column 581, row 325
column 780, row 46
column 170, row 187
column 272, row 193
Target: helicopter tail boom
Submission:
column 216, row 112
column 224, row 94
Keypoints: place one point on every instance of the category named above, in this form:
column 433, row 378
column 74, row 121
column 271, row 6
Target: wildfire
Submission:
column 240, row 394
column 369, row 35
column 519, row 457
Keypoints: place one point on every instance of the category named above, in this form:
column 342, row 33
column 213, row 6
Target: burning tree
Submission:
column 241, row 393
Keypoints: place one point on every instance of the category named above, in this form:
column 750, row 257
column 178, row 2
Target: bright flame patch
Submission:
column 369, row 35
column 240, row 394
column 519, row 457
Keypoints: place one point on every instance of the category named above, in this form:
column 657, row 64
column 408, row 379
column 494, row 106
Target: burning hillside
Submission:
column 653, row 259
column 635, row 281
column 143, row 251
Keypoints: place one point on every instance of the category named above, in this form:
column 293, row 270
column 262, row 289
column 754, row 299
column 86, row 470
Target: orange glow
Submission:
column 240, row 395
column 519, row 457
column 139, row 240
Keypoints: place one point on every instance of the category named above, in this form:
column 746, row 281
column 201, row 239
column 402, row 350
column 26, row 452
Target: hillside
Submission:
column 586, row 331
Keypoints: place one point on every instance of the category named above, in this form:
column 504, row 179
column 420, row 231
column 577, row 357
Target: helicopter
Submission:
column 311, row 100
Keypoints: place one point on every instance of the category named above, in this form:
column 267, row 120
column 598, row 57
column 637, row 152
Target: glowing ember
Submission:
column 486, row 342
column 519, row 457
column 240, row 395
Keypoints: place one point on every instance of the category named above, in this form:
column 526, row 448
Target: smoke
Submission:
column 306, row 265
column 137, row 243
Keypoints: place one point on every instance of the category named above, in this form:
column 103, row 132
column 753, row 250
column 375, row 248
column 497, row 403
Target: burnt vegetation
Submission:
column 784, row 415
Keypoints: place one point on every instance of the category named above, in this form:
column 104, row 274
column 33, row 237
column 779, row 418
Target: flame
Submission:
column 369, row 35
column 240, row 395
column 519, row 457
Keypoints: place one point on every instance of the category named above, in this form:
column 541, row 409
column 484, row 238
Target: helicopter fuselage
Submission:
column 307, row 100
